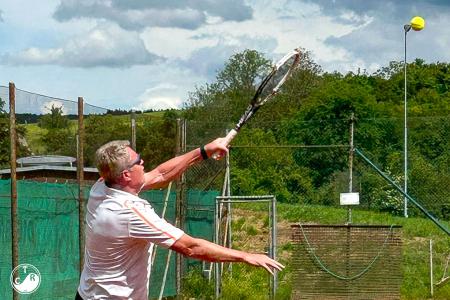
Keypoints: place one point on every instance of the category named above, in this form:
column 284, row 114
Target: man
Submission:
column 122, row 228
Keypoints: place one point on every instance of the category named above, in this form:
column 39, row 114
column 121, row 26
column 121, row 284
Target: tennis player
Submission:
column 121, row 228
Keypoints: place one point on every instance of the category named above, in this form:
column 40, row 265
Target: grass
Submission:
column 33, row 136
column 251, row 283
column 34, row 133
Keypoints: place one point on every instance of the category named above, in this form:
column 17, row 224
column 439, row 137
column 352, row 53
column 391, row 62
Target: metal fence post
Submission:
column 181, row 200
column 80, row 179
column 350, row 165
column 431, row 268
column 217, row 268
column 274, row 245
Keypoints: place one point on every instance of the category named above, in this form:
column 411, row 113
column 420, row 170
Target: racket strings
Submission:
column 270, row 85
column 276, row 79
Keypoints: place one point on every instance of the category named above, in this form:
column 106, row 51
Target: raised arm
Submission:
column 205, row 250
column 171, row 169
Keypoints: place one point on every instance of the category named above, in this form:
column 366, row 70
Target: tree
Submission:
column 22, row 150
column 54, row 120
column 59, row 137
column 262, row 171
column 226, row 98
column 156, row 139
column 4, row 135
column 100, row 129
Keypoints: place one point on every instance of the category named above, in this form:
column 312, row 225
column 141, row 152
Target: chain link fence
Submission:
column 46, row 125
column 308, row 162
column 428, row 164
column 298, row 162
column 347, row 262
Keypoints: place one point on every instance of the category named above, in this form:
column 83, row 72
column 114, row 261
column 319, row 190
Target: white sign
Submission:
column 25, row 278
column 349, row 199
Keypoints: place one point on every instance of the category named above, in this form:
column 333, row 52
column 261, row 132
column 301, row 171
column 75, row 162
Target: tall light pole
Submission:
column 417, row 23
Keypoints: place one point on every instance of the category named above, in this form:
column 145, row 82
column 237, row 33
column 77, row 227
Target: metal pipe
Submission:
column 179, row 204
column 242, row 201
column 229, row 215
column 216, row 240
column 420, row 207
column 431, row 267
column 268, row 197
column 350, row 166
column 274, row 244
column 405, row 159
column 80, row 179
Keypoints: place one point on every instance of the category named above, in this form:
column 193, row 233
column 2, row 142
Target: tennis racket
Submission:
column 268, row 88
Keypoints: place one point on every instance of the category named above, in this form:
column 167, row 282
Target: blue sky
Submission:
column 149, row 54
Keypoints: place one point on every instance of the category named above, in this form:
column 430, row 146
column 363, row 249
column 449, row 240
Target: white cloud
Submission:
column 193, row 39
column 159, row 97
column 46, row 108
column 105, row 45
column 175, row 43
column 137, row 15
column 159, row 102
column 275, row 29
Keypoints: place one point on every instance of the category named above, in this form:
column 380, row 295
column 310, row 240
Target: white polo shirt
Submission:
column 120, row 232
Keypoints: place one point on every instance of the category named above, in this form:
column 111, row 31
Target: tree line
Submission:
column 314, row 108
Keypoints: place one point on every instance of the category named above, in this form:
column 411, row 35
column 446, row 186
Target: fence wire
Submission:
column 308, row 162
column 299, row 162
column 347, row 262
column 47, row 125
column 428, row 164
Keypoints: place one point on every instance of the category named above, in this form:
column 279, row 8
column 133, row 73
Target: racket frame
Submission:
column 255, row 104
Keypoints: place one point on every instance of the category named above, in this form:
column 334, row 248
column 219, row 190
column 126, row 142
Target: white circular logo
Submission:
column 25, row 278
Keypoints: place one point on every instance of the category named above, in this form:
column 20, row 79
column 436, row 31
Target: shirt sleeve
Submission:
column 144, row 223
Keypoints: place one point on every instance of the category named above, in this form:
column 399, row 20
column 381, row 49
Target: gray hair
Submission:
column 111, row 159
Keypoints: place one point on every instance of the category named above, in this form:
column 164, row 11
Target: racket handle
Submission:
column 230, row 136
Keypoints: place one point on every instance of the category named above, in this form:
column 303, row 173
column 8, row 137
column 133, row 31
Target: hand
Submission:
column 261, row 260
column 217, row 148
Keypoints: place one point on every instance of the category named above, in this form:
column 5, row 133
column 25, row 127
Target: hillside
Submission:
column 34, row 134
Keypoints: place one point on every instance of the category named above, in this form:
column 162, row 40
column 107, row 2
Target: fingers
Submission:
column 266, row 262
column 268, row 269
column 275, row 265
column 217, row 148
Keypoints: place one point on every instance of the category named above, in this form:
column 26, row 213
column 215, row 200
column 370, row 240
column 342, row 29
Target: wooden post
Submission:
column 133, row 130
column 80, row 179
column 13, row 157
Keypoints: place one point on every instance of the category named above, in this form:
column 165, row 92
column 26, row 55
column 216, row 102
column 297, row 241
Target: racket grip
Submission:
column 230, row 136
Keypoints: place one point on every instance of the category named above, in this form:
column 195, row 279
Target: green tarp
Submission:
column 48, row 235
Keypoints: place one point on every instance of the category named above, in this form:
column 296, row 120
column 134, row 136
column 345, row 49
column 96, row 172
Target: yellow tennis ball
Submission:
column 417, row 23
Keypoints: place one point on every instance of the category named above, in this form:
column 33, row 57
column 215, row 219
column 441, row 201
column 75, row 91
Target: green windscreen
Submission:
column 48, row 235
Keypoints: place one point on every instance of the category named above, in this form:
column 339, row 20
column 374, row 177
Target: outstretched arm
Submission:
column 204, row 250
column 171, row 169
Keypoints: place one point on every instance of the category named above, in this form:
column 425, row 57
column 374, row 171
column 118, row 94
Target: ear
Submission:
column 125, row 178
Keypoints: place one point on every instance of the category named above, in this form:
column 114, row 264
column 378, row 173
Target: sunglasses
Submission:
column 137, row 161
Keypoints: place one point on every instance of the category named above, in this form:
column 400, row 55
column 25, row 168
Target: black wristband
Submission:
column 203, row 153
